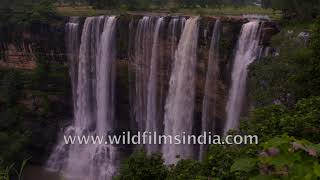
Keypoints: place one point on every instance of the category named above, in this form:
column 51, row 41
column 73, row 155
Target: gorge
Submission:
column 164, row 74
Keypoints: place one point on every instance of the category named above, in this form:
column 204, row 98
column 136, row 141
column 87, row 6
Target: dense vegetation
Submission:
column 295, row 8
column 298, row 9
column 29, row 112
column 24, row 12
column 27, row 11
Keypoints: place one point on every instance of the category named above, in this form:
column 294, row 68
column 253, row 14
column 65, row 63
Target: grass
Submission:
column 5, row 174
column 223, row 11
column 232, row 11
column 83, row 11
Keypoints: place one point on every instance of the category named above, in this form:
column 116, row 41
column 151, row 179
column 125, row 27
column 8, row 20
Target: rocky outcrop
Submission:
column 38, row 52
column 269, row 29
column 21, row 46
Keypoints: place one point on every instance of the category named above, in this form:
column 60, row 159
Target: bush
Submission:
column 187, row 169
column 143, row 167
column 220, row 159
column 282, row 157
column 302, row 121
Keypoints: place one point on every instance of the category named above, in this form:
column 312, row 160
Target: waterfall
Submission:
column 94, row 112
column 210, row 90
column 152, row 123
column 106, row 162
column 72, row 37
column 176, row 26
column 105, row 78
column 84, row 114
column 246, row 52
column 57, row 158
column 142, row 56
column 173, row 26
column 163, row 73
column 181, row 96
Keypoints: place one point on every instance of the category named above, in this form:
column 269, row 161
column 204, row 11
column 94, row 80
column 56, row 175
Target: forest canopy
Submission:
column 26, row 11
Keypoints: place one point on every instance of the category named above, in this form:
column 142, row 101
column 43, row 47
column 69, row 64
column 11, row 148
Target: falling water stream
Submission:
column 95, row 88
column 180, row 100
column 210, row 89
column 246, row 52
column 152, row 98
column 142, row 55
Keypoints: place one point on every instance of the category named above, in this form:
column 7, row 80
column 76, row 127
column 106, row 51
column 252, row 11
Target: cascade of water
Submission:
column 131, row 74
column 106, row 160
column 63, row 155
column 176, row 26
column 173, row 27
column 180, row 100
column 93, row 73
column 95, row 35
column 246, row 52
column 95, row 89
column 142, row 56
column 210, row 90
column 182, row 24
column 105, row 78
column 152, row 123
column 57, row 158
column 84, row 115
column 72, row 37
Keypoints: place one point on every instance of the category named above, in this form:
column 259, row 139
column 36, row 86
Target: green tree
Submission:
column 302, row 121
column 143, row 167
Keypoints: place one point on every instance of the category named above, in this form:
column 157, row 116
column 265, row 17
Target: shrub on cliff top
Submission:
column 21, row 12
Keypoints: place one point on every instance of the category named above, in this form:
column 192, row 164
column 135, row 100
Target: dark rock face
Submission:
column 20, row 45
column 38, row 51
column 269, row 29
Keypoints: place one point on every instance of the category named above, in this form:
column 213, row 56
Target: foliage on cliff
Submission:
column 282, row 157
column 31, row 103
column 13, row 136
column 292, row 75
column 24, row 12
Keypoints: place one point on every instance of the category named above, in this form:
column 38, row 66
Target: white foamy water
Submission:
column 94, row 111
column 210, row 90
column 181, row 96
column 246, row 52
